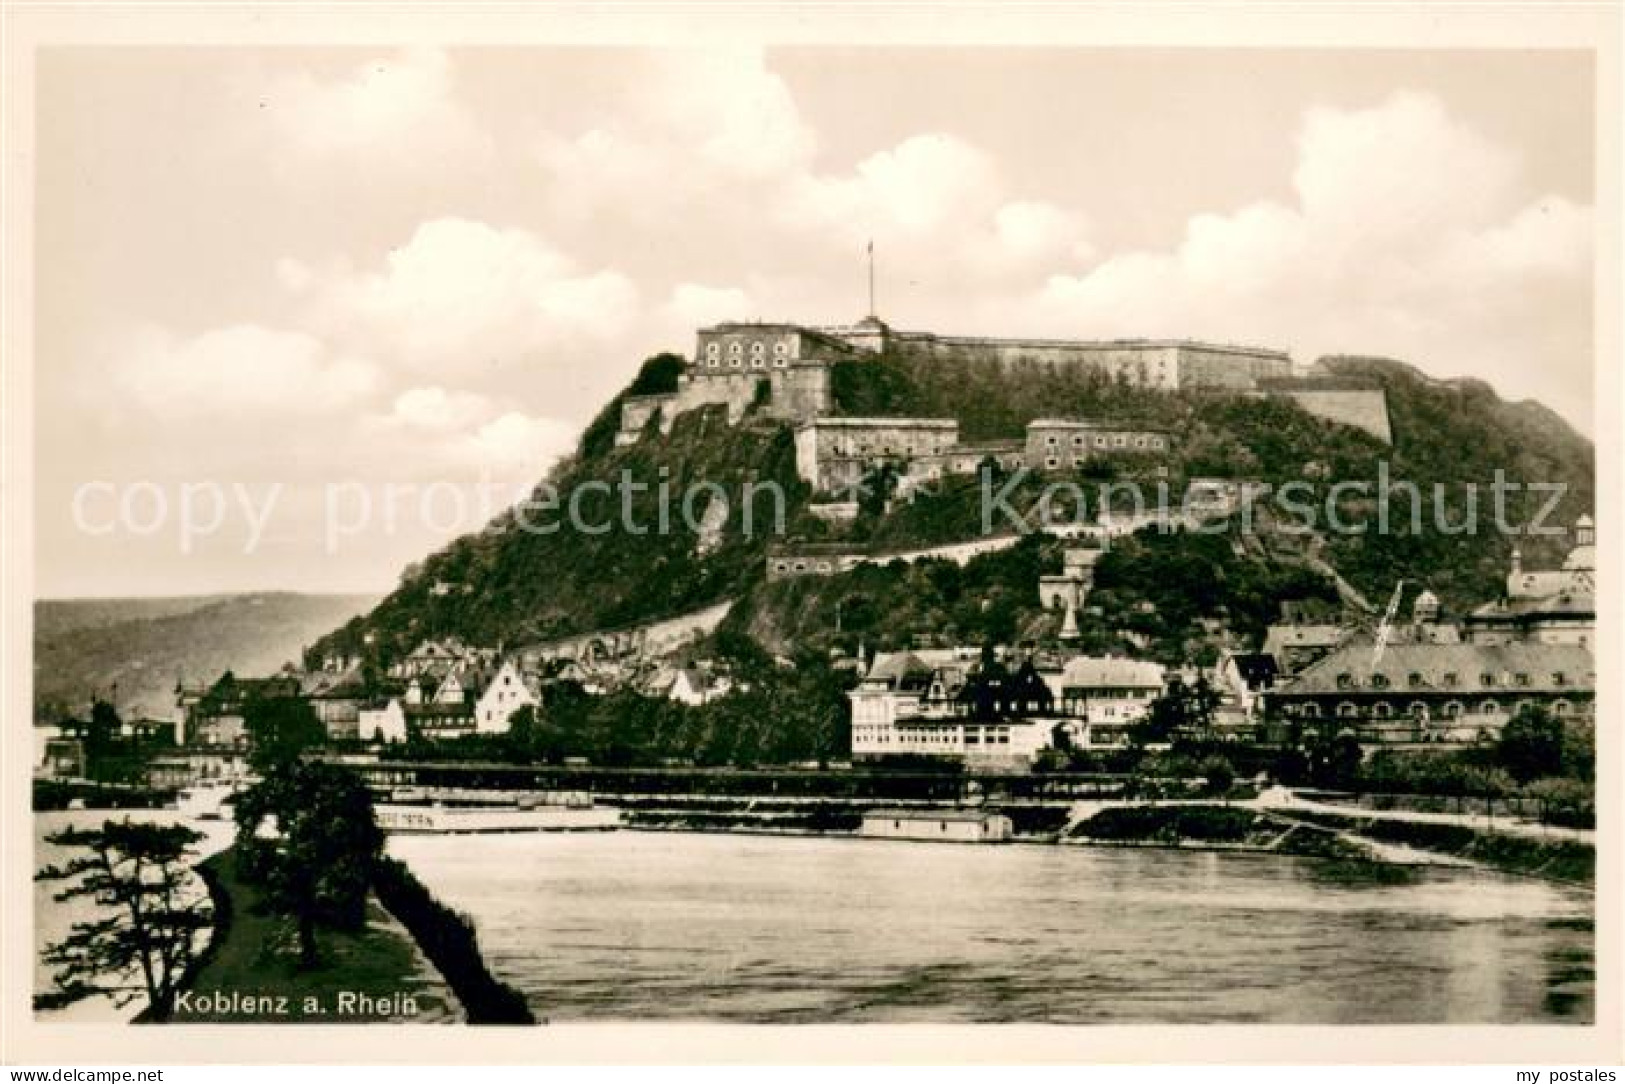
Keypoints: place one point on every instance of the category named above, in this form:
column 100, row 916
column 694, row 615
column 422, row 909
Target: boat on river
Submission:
column 448, row 811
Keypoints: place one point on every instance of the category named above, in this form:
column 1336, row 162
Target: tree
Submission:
column 147, row 922
column 1531, row 744
column 1567, row 802
column 281, row 728
column 1218, row 773
column 307, row 835
column 658, row 375
column 1336, row 762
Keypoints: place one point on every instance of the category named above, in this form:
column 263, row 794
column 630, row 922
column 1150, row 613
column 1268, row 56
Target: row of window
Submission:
column 1382, row 709
column 785, row 567
column 1101, row 440
column 1446, row 681
column 737, row 349
column 863, row 446
column 755, row 363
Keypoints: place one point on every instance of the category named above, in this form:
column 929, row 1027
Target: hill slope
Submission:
column 82, row 648
column 508, row 585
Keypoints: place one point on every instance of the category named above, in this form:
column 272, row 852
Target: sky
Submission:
column 303, row 315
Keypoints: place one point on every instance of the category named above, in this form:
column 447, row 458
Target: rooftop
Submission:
column 1459, row 668
column 881, row 423
column 1110, row 672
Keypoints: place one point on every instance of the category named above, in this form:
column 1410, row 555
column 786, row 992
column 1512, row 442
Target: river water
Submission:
column 643, row 925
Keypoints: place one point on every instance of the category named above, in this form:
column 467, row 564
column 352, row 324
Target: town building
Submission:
column 434, row 657
column 945, row 703
column 506, row 692
column 1553, row 606
column 336, row 697
column 191, row 765
column 216, row 718
column 1244, row 678
column 1296, row 646
column 972, row 706
column 383, row 722
column 1101, row 698
column 436, row 721
column 1429, row 692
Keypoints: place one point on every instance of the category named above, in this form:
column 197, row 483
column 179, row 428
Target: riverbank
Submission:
column 1190, row 825
column 1185, row 826
column 1559, row 859
column 1213, row 827
column 249, row 973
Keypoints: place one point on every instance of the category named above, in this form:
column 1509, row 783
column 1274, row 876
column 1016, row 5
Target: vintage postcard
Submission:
column 1044, row 534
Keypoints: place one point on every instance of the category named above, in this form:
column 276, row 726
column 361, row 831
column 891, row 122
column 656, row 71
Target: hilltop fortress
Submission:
column 785, row 369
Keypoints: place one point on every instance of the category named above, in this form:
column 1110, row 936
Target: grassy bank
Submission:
column 1212, row 827
column 251, row 975
column 1552, row 859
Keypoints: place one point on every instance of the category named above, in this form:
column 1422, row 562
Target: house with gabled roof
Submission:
column 505, row 693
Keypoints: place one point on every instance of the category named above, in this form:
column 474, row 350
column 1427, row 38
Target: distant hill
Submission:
column 508, row 586
column 84, row 647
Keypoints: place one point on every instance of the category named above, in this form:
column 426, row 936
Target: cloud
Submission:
column 919, row 186
column 430, row 432
column 935, row 201
column 687, row 125
column 519, row 444
column 729, row 107
column 693, row 305
column 461, row 296
column 401, row 107
column 437, row 409
column 239, row 370
column 1407, row 238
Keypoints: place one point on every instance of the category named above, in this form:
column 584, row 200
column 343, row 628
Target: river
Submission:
column 645, row 925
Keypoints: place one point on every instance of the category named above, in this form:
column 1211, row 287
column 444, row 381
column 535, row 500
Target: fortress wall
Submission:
column 1150, row 365
column 801, row 393
column 736, row 391
column 1216, row 367
column 649, row 639
column 1364, row 409
column 636, row 413
column 832, row 560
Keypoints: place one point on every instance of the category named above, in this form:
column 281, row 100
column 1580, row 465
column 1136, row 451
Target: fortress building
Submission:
column 784, row 369
column 835, row 453
column 1162, row 364
column 1057, row 443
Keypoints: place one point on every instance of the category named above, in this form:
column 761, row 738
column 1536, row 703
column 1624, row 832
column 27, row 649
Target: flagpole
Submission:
column 871, row 277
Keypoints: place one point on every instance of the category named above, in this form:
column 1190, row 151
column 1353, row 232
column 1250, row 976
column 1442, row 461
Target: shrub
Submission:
column 448, row 939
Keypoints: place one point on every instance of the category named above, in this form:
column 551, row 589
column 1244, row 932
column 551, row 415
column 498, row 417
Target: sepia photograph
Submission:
column 734, row 530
